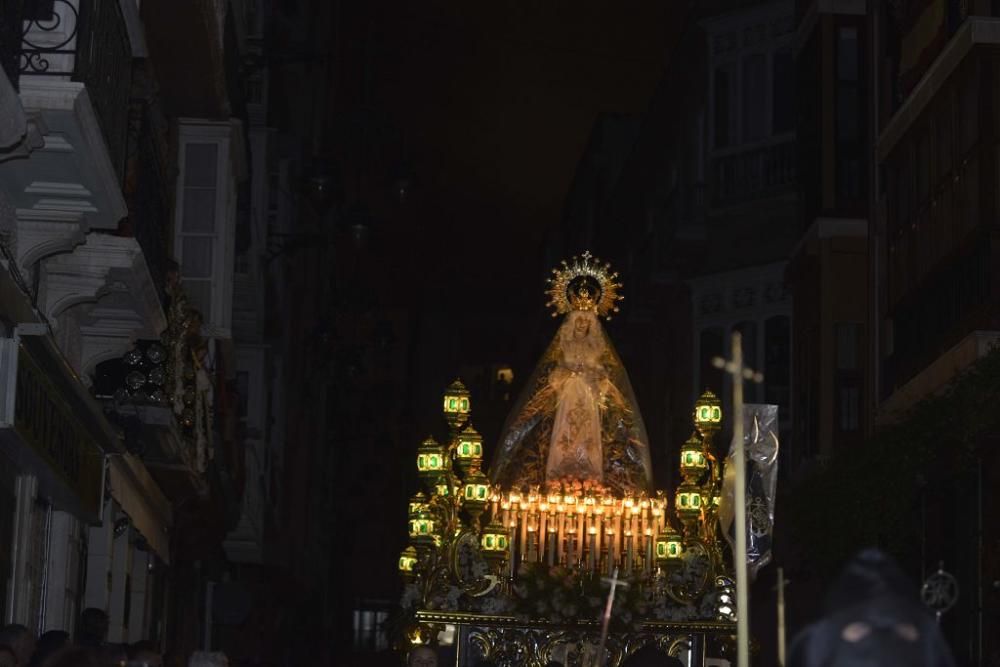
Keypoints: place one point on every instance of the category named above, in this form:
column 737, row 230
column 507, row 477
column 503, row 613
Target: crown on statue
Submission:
column 584, row 284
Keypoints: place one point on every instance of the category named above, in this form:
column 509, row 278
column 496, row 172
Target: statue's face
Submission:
column 581, row 327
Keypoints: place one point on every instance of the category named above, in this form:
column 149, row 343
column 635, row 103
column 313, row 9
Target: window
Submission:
column 243, row 392
column 723, row 100
column 848, row 114
column 849, row 407
column 205, row 220
column 754, row 98
column 198, row 222
column 848, row 337
column 782, row 93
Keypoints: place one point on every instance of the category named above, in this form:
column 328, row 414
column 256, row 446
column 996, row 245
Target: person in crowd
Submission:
column 49, row 643
column 650, row 656
column 7, row 656
column 144, row 654
column 422, row 656
column 72, row 656
column 21, row 639
column 873, row 616
column 208, row 659
column 93, row 630
column 113, row 655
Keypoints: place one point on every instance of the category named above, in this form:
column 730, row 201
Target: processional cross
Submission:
column 740, row 372
column 614, row 582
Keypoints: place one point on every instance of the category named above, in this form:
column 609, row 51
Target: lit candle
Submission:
column 570, row 535
column 532, row 546
column 648, row 566
column 512, row 547
column 592, row 551
column 552, row 546
column 628, row 554
column 561, row 513
column 523, row 520
column 612, row 552
column 598, row 525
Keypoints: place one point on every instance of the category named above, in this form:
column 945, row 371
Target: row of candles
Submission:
column 582, row 531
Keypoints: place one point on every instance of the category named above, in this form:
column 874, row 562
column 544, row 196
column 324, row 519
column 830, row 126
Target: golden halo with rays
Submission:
column 584, row 283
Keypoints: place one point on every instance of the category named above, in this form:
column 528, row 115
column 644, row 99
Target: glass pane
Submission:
column 201, row 165
column 196, row 257
column 782, row 95
column 722, row 107
column 847, row 54
column 200, row 295
column 199, row 210
column 754, row 90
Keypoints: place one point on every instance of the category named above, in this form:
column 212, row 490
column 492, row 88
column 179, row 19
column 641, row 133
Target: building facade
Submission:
column 932, row 258
column 140, row 460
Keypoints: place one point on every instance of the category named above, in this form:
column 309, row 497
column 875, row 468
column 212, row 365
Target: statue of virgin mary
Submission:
column 576, row 421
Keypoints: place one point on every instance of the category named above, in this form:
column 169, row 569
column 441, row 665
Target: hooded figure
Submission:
column 873, row 618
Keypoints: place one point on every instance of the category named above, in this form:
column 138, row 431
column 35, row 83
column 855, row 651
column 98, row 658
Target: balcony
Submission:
column 744, row 174
column 87, row 43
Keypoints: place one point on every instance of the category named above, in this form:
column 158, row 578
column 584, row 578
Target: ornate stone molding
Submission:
column 41, row 233
column 102, row 290
column 72, row 170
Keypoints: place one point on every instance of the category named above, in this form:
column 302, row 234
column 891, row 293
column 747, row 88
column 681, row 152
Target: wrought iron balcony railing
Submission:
column 754, row 172
column 82, row 41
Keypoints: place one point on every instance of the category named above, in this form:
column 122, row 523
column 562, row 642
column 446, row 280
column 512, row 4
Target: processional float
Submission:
column 519, row 563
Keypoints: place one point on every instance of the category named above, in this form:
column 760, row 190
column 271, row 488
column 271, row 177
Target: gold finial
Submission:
column 584, row 284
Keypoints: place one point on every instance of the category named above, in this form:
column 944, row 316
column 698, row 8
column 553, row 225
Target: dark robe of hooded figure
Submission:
column 873, row 616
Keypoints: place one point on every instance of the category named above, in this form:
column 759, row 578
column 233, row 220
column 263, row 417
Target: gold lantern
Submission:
column 408, row 563
column 669, row 548
column 422, row 528
column 694, row 463
column 708, row 414
column 469, row 450
column 476, row 494
column 418, row 503
column 456, row 404
column 688, row 505
column 495, row 542
column 431, row 461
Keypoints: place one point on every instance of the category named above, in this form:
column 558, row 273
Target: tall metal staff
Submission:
column 739, row 372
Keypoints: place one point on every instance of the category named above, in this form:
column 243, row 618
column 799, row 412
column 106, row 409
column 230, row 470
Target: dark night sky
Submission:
column 495, row 102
